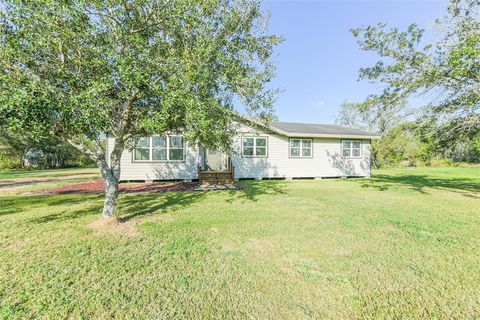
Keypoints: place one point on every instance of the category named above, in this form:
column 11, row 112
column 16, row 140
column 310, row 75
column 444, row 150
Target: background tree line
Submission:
column 406, row 142
column 20, row 150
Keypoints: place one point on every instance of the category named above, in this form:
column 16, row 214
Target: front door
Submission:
column 214, row 160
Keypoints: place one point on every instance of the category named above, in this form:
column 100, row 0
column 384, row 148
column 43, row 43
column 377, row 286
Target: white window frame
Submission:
column 166, row 139
column 151, row 148
column 351, row 156
column 169, row 147
column 301, row 147
column 255, row 147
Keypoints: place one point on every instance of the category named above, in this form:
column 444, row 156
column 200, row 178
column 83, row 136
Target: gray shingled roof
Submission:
column 318, row 129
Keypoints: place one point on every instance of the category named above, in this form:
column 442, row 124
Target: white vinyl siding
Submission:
column 158, row 169
column 327, row 159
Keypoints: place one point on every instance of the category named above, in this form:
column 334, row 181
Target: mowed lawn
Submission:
column 403, row 244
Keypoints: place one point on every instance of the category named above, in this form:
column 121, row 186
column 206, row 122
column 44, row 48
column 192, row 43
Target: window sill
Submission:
column 300, row 157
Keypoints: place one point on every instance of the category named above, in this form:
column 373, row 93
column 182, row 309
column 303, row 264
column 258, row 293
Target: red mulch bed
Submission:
column 97, row 186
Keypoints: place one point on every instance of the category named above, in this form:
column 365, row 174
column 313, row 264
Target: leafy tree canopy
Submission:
column 77, row 69
column 376, row 114
column 444, row 72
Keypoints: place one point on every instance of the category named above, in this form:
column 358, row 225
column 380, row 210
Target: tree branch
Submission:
column 126, row 114
column 109, row 16
column 84, row 148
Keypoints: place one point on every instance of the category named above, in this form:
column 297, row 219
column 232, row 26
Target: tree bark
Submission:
column 111, row 176
column 111, row 194
column 110, row 172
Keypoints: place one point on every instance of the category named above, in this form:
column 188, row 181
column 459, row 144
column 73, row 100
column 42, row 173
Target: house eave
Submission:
column 309, row 135
column 316, row 135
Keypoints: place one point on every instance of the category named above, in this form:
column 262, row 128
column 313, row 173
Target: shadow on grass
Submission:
column 144, row 204
column 68, row 215
column 418, row 183
column 251, row 190
column 131, row 205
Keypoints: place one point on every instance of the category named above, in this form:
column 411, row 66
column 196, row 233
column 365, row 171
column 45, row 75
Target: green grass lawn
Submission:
column 403, row 244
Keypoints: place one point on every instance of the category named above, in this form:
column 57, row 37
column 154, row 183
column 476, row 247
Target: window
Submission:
column 301, row 148
column 176, row 148
column 351, row 148
column 142, row 151
column 254, row 146
column 159, row 148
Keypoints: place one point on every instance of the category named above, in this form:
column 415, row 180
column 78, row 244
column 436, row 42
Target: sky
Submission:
column 318, row 63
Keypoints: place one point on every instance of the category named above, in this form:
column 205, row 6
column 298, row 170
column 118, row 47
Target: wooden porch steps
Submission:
column 215, row 177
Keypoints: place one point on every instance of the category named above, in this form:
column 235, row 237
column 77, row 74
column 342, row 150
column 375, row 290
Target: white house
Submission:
column 281, row 150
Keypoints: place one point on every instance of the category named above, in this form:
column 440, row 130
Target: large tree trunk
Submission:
column 110, row 171
column 111, row 194
column 111, row 177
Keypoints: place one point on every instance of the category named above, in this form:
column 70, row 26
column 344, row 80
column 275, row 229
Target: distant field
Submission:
column 404, row 244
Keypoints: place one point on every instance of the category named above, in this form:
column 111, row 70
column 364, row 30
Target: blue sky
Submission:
column 318, row 63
